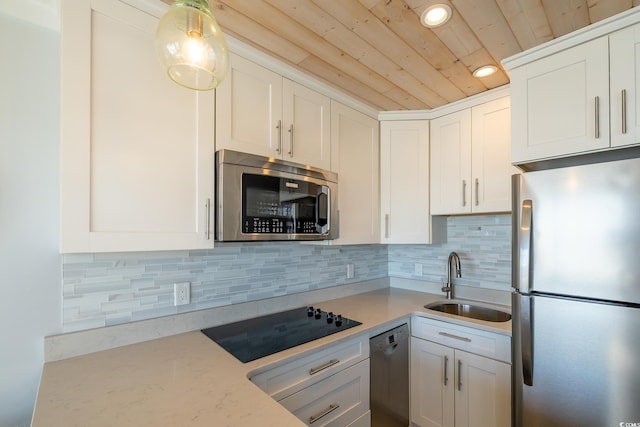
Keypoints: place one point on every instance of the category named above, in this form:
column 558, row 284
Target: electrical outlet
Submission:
column 181, row 293
column 350, row 271
column 417, row 269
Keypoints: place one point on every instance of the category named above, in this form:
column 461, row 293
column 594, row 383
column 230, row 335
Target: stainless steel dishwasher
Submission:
column 389, row 353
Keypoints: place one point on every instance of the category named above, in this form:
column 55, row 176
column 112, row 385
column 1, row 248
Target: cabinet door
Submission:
column 451, row 164
column 249, row 110
column 491, row 168
column 137, row 150
column 404, row 181
column 306, row 115
column 624, row 47
column 483, row 391
column 355, row 153
column 432, row 384
column 560, row 103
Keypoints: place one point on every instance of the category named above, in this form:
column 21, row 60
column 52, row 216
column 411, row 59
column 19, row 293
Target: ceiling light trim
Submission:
column 436, row 15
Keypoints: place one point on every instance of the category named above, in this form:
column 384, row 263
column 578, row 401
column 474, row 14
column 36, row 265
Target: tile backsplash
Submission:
column 482, row 242
column 111, row 288
column 105, row 289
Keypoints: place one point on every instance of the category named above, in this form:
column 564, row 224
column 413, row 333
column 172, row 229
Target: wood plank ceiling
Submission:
column 378, row 52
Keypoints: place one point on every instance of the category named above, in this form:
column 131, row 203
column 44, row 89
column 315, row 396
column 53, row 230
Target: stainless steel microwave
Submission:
column 262, row 198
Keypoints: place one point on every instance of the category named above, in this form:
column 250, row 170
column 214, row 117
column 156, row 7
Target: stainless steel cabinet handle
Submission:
column 320, row 368
column 446, row 375
column 624, row 111
column 291, row 140
column 455, row 337
column 597, row 113
column 464, row 193
column 386, row 226
column 459, row 375
column 331, row 408
column 279, row 127
column 208, row 222
column 477, row 189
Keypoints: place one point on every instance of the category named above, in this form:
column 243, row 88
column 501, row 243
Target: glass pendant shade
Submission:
column 191, row 46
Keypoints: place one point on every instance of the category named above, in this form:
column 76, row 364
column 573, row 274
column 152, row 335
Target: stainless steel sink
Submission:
column 471, row 310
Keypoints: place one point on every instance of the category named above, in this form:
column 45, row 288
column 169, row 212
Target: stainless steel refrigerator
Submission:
column 576, row 300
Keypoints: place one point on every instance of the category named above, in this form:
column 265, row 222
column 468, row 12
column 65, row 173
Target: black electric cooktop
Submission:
column 254, row 338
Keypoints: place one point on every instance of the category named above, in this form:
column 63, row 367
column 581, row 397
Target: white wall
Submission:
column 30, row 265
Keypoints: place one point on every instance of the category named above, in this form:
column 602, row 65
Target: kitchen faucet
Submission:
column 449, row 288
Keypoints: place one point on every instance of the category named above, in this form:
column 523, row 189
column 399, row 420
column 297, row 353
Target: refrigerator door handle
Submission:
column 526, row 338
column 524, row 247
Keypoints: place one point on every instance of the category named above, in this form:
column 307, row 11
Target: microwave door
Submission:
column 323, row 210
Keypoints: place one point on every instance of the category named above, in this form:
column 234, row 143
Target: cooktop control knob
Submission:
column 310, row 311
column 330, row 317
column 318, row 313
column 338, row 319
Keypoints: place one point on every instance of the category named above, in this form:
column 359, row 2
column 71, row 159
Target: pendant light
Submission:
column 191, row 46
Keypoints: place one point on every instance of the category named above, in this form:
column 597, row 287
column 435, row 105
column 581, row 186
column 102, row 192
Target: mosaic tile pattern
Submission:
column 113, row 288
column 482, row 242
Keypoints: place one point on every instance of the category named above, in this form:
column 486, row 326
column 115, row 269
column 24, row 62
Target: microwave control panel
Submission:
column 278, row 226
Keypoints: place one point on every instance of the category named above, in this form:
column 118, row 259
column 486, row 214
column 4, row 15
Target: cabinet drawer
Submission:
column 473, row 340
column 336, row 401
column 286, row 379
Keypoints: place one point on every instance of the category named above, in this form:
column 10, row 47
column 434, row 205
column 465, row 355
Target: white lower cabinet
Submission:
column 329, row 387
column 452, row 387
column 336, row 401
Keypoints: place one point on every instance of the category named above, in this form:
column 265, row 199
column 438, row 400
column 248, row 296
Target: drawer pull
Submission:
column 329, row 364
column 331, row 408
column 455, row 337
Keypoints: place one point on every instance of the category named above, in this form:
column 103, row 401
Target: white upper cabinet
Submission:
column 137, row 150
column 624, row 58
column 491, row 157
column 404, row 183
column 578, row 99
column 451, row 163
column 471, row 161
column 249, row 109
column 260, row 112
column 355, row 157
column 561, row 103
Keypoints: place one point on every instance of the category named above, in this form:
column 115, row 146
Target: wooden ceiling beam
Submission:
column 599, row 10
column 527, row 21
column 373, row 31
column 486, row 20
column 334, row 32
column 399, row 17
column 566, row 16
column 275, row 24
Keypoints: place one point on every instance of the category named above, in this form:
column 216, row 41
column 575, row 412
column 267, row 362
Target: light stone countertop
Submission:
column 188, row 380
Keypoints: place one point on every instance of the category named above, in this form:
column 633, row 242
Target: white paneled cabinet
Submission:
column 560, row 103
column 491, row 157
column 137, row 150
column 470, row 160
column 458, row 385
column 329, row 387
column 260, row 112
column 450, row 184
column 624, row 65
column 578, row 100
column 404, row 183
column 356, row 159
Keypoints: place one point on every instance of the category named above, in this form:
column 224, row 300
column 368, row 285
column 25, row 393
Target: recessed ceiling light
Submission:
column 435, row 15
column 485, row 70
